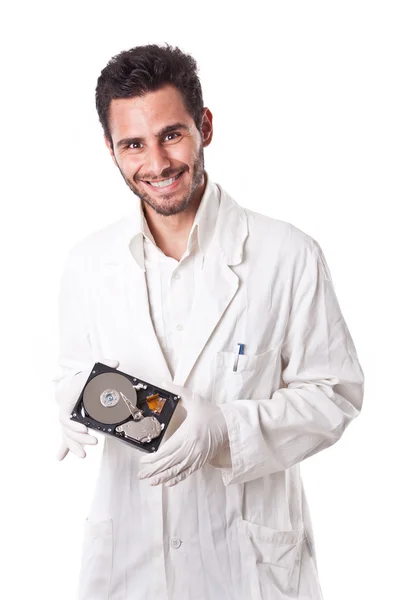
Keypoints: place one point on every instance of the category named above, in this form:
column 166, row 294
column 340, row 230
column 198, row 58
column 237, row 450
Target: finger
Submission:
column 153, row 457
column 62, row 452
column 172, row 445
column 180, row 477
column 169, row 454
column 164, row 474
column 76, row 449
column 183, row 474
column 161, row 465
column 81, row 438
column 191, row 468
column 168, row 474
column 109, row 362
column 165, row 452
column 73, row 425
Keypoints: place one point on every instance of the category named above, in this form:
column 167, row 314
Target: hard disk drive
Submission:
column 125, row 407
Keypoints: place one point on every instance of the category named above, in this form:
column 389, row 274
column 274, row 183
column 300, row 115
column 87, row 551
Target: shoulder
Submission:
column 278, row 231
column 261, row 227
column 278, row 236
column 285, row 245
column 268, row 236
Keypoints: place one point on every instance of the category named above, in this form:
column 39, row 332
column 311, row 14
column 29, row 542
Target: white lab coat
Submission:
column 242, row 532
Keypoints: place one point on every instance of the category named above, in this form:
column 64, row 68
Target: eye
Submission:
column 171, row 136
column 134, row 146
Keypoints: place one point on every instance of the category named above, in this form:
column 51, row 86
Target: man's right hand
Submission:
column 75, row 435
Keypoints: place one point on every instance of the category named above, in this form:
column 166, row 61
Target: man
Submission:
column 233, row 310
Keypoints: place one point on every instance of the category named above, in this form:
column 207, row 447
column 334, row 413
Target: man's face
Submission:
column 158, row 148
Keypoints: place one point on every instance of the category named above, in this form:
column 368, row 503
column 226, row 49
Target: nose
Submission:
column 157, row 160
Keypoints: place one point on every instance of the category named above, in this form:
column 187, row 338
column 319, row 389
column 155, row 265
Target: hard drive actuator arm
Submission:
column 142, row 429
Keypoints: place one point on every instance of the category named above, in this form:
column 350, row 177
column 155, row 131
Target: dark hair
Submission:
column 146, row 69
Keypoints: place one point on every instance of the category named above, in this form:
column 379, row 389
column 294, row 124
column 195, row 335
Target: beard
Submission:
column 162, row 206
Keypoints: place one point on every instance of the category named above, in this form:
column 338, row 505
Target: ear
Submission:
column 110, row 149
column 206, row 127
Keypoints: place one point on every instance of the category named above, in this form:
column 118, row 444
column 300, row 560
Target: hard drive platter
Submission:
column 102, row 397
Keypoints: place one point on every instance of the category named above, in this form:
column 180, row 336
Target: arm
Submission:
column 75, row 351
column 75, row 357
column 323, row 385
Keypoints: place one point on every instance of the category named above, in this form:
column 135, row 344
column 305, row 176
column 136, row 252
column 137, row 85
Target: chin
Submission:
column 167, row 208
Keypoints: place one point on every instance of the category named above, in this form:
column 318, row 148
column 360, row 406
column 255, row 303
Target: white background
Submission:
column 305, row 97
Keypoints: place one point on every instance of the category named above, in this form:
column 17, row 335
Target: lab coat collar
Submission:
column 219, row 222
column 206, row 216
column 202, row 229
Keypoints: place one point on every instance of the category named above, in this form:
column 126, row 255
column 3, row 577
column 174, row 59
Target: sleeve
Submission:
column 75, row 351
column 323, row 385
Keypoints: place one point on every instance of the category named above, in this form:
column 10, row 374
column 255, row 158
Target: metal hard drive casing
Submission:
column 125, row 407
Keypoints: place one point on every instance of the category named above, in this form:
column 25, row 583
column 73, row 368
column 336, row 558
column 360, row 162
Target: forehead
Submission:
column 145, row 115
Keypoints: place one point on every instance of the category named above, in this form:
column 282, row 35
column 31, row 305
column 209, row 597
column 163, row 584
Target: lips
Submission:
column 164, row 184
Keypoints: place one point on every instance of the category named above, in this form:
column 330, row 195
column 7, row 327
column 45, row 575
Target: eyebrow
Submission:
column 163, row 132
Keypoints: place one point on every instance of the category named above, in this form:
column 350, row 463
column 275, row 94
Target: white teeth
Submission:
column 161, row 184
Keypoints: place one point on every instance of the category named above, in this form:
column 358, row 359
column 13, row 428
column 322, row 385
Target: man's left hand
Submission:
column 198, row 440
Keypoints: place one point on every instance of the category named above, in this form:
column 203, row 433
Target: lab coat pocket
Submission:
column 271, row 560
column 255, row 376
column 95, row 576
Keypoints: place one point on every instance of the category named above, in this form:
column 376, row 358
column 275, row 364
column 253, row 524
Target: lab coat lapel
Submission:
column 150, row 359
column 218, row 284
column 147, row 356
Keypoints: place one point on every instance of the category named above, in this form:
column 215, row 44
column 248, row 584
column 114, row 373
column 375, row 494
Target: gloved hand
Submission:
column 75, row 435
column 198, row 440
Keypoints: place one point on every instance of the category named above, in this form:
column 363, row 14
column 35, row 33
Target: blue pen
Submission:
column 240, row 351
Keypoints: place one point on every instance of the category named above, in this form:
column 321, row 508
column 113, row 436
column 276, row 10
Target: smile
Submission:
column 165, row 182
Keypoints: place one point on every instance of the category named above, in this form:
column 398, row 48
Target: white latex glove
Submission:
column 198, row 440
column 75, row 435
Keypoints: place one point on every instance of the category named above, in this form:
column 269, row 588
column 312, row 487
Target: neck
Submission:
column 171, row 233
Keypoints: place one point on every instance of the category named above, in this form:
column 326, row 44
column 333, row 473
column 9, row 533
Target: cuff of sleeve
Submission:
column 230, row 458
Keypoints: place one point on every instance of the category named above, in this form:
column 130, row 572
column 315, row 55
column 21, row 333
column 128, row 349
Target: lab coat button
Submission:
column 176, row 276
column 179, row 327
column 175, row 543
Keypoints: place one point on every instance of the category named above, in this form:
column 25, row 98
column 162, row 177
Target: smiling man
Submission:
column 236, row 313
